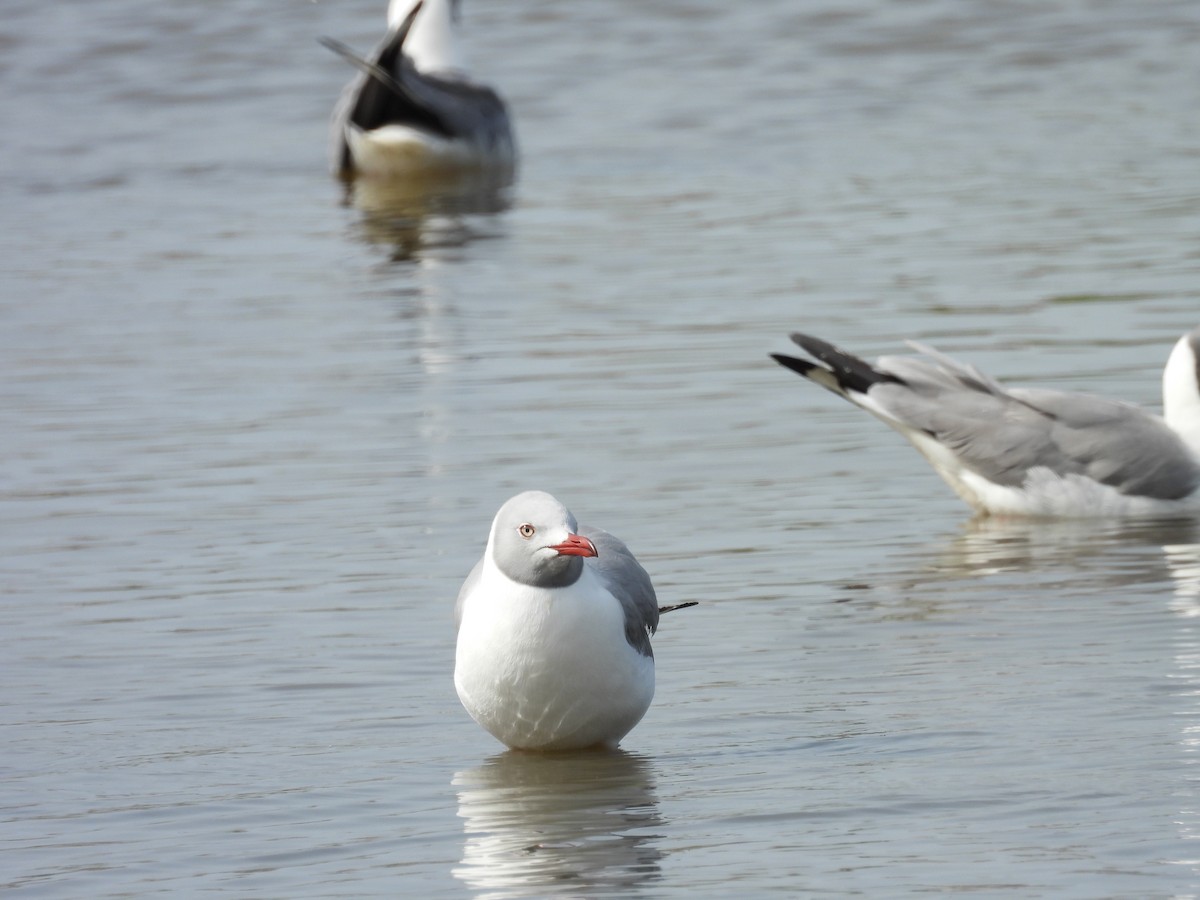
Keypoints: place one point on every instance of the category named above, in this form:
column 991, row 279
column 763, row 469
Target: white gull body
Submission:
column 1029, row 451
column 413, row 107
column 554, row 626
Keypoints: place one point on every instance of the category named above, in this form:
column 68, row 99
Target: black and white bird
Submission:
column 1030, row 451
column 554, row 626
column 412, row 107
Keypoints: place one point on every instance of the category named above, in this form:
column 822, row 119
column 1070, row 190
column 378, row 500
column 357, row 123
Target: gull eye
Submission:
column 527, row 531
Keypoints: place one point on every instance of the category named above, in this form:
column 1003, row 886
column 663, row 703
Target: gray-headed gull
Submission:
column 413, row 107
column 1029, row 451
column 554, row 626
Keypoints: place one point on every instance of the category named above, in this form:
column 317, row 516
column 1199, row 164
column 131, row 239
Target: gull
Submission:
column 1030, row 451
column 413, row 108
column 554, row 626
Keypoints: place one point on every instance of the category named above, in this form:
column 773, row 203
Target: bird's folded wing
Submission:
column 1003, row 435
column 626, row 580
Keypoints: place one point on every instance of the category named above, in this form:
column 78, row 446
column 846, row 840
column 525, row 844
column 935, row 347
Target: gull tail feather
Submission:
column 667, row 609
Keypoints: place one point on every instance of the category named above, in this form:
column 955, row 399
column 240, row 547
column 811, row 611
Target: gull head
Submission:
column 534, row 541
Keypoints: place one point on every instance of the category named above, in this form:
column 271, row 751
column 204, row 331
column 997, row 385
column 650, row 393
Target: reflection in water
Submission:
column 428, row 209
column 558, row 824
column 1184, row 562
column 1135, row 560
column 991, row 545
column 1108, row 555
column 997, row 555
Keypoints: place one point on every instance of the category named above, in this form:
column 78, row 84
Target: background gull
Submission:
column 412, row 106
column 1028, row 451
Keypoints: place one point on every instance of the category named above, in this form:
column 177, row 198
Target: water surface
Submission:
column 254, row 433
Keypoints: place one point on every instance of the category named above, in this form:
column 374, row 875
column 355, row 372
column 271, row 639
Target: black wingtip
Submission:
column 817, row 347
column 799, row 366
column 406, row 25
column 399, row 36
column 339, row 48
column 852, row 373
column 667, row 609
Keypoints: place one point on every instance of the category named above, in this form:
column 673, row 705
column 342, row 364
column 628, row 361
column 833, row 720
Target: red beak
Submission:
column 575, row 545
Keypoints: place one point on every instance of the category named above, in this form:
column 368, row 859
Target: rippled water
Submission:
column 254, row 431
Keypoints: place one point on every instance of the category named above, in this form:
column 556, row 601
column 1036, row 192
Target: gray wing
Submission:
column 1118, row 444
column 626, row 580
column 462, row 109
column 1002, row 434
column 467, row 587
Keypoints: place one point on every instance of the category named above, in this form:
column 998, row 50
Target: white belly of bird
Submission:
column 397, row 150
column 550, row 670
column 1047, row 494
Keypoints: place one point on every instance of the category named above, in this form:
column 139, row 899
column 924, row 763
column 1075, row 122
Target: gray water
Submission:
column 253, row 434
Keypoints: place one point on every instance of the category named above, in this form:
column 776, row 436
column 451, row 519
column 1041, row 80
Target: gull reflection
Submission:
column 1184, row 563
column 1111, row 552
column 430, row 209
column 995, row 555
column 1132, row 563
column 1183, row 559
column 558, row 825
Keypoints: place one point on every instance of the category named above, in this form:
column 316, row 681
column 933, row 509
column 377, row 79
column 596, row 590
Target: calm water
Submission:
column 254, row 434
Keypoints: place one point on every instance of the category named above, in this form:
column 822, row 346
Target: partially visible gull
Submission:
column 1029, row 451
column 554, row 626
column 413, row 108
